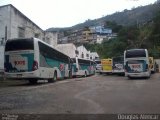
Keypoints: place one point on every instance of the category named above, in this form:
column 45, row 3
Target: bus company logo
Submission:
column 90, row 67
column 61, row 67
column 136, row 66
column 19, row 62
column 119, row 66
column 106, row 62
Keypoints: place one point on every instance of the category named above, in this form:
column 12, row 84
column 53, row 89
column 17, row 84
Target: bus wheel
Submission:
column 50, row 80
column 130, row 78
column 85, row 74
column 33, row 81
column 148, row 77
column 70, row 74
column 55, row 76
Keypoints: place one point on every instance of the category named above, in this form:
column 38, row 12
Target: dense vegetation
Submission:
column 146, row 35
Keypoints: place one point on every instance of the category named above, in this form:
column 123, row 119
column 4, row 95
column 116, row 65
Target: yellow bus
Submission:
column 106, row 65
column 152, row 64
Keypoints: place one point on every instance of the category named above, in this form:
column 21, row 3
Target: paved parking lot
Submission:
column 96, row 94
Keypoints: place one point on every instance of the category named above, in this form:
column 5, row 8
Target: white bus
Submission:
column 98, row 66
column 118, row 65
column 82, row 67
column 32, row 59
column 136, row 62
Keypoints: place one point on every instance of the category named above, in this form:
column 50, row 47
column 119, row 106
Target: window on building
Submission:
column 76, row 52
column 36, row 35
column 82, row 55
column 47, row 40
column 87, row 55
column 21, row 32
column 2, row 41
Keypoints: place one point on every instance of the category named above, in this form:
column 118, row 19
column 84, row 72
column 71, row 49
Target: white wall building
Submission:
column 68, row 49
column 51, row 38
column 83, row 52
column 94, row 56
column 100, row 38
column 14, row 24
column 72, row 51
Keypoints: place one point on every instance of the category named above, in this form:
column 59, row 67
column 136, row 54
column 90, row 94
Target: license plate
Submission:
column 19, row 75
column 136, row 66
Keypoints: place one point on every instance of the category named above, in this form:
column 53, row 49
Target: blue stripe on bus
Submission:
column 30, row 58
column 10, row 68
column 144, row 64
column 55, row 63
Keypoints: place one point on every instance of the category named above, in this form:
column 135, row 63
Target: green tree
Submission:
column 113, row 25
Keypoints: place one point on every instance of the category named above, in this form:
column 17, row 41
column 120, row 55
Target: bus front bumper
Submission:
column 142, row 74
column 22, row 75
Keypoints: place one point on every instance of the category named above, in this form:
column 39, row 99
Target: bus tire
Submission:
column 85, row 74
column 70, row 74
column 55, row 76
column 50, row 80
column 33, row 81
column 148, row 77
column 130, row 78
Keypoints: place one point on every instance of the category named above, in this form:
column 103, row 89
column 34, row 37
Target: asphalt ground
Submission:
column 98, row 94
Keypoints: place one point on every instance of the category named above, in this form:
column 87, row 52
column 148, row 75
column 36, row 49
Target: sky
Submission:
column 67, row 13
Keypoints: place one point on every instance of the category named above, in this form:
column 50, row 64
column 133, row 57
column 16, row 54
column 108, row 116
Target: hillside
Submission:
column 130, row 17
column 143, row 36
column 138, row 15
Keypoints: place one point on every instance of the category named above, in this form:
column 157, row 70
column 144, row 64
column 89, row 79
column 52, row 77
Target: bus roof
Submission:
column 39, row 40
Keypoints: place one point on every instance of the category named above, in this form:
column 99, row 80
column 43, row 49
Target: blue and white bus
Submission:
column 136, row 62
column 32, row 59
column 82, row 67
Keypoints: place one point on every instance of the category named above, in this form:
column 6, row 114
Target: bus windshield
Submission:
column 98, row 62
column 121, row 58
column 135, row 53
column 19, row 44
